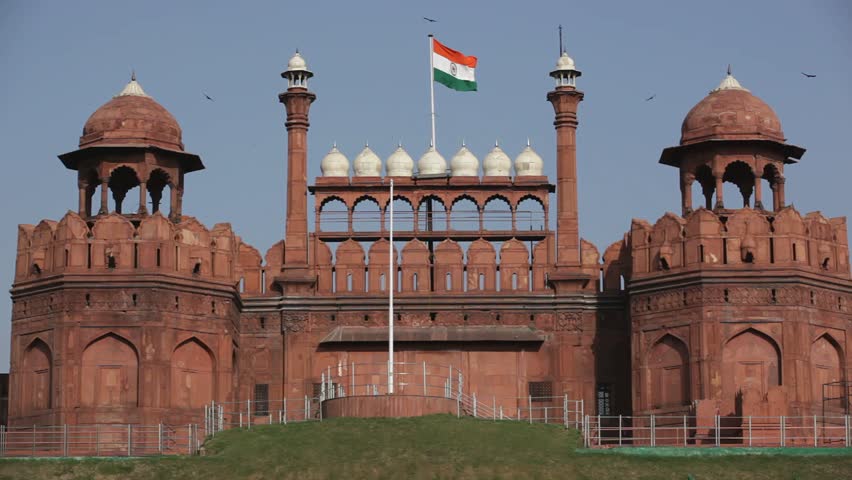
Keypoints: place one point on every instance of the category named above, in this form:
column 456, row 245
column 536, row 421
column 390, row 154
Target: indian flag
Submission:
column 453, row 68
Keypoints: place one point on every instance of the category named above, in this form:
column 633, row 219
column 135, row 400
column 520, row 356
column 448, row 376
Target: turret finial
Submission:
column 729, row 69
column 133, row 75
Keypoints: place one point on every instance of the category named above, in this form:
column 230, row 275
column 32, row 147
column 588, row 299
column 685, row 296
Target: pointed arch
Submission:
column 826, row 368
column 751, row 360
column 110, row 372
column 37, row 370
column 193, row 372
column 668, row 368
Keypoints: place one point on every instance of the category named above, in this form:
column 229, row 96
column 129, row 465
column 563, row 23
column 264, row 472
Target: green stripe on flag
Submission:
column 448, row 80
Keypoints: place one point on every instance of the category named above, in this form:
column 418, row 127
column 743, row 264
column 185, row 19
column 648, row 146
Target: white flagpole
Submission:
column 391, row 274
column 432, row 86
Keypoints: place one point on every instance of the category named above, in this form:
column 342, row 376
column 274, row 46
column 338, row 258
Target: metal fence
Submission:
column 108, row 440
column 404, row 379
column 219, row 416
column 692, row 431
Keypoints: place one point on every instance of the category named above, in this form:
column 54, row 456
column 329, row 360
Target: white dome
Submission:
column 565, row 62
column 528, row 163
column 400, row 164
column 335, row 164
column 464, row 164
column 497, row 163
column 367, row 164
column 297, row 62
column 432, row 163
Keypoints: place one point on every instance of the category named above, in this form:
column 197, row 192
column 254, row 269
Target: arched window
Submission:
column 826, row 372
column 110, row 367
column 669, row 369
column 37, row 370
column 464, row 215
column 193, row 376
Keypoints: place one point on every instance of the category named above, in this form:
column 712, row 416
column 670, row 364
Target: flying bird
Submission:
column 808, row 75
column 651, row 97
column 429, row 19
column 208, row 97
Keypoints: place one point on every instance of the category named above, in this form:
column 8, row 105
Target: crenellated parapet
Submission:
column 743, row 240
column 114, row 246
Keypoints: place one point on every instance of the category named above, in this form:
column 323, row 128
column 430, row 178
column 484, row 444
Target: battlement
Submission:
column 112, row 244
column 740, row 239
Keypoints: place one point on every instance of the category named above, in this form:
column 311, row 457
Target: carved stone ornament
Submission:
column 569, row 322
column 293, row 322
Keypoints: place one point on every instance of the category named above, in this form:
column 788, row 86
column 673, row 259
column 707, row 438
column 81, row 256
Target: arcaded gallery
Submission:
column 129, row 310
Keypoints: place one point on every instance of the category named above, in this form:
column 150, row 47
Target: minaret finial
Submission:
column 334, row 144
column 399, row 143
column 463, row 145
column 561, row 45
column 496, row 143
column 132, row 74
column 528, row 141
column 729, row 69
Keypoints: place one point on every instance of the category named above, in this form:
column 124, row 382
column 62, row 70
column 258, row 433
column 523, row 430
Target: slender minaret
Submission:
column 297, row 277
column 566, row 99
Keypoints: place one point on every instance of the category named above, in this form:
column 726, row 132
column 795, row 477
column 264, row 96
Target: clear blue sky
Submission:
column 59, row 61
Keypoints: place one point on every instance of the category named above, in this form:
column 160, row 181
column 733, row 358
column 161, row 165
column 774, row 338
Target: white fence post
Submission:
column 620, row 423
column 65, row 440
column 160, row 438
column 685, row 431
column 474, row 404
column 653, row 436
column 424, row 379
column 565, row 410
column 97, row 440
column 494, row 407
column 529, row 407
column 749, row 431
column 718, row 428
column 783, row 440
column 307, row 408
column 285, row 411
column 815, row 432
column 129, row 439
column 189, row 439
column 846, row 429
column 248, row 414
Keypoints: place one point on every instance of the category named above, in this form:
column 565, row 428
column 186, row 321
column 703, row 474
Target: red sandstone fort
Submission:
column 741, row 306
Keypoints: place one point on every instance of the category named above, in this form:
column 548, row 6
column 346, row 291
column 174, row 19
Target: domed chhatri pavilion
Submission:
column 125, row 314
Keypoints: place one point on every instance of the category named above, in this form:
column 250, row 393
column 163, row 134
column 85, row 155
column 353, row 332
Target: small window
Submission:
column 261, row 399
column 482, row 281
column 348, row 282
column 515, row 281
column 448, row 283
column 158, row 257
column 414, row 282
column 540, row 391
column 604, row 399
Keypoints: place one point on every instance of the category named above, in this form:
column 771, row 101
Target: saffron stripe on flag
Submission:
column 453, row 56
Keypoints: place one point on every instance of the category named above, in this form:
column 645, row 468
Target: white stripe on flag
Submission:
column 462, row 72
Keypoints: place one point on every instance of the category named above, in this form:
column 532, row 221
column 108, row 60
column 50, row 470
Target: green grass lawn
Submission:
column 440, row 446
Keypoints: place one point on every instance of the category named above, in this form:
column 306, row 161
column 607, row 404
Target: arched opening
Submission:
column 448, row 282
column 403, row 216
column 333, row 216
column 769, row 183
column 464, row 215
column 110, row 366
column 157, row 182
column 431, row 215
column 741, row 176
column 826, row 368
column 702, row 193
column 91, row 183
column 750, row 361
column 37, row 371
column 366, row 215
column 121, row 181
column 668, row 365
column 497, row 214
column 192, row 375
column 529, row 214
